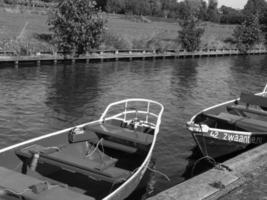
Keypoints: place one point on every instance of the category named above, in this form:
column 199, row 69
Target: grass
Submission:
column 17, row 24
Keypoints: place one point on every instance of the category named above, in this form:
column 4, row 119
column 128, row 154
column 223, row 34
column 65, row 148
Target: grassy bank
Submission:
column 27, row 30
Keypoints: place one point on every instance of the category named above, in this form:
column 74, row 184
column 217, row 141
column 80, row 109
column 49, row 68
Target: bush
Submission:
column 112, row 41
column 26, row 48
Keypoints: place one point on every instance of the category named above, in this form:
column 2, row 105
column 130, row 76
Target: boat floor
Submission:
column 14, row 184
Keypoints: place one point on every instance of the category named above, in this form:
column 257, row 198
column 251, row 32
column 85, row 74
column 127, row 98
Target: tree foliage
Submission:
column 202, row 11
column 231, row 16
column 248, row 33
column 190, row 35
column 212, row 11
column 77, row 25
column 255, row 7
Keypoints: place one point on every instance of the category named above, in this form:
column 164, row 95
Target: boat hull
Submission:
column 217, row 148
column 221, row 132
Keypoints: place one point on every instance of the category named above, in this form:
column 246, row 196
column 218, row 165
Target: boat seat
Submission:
column 248, row 124
column 252, row 99
column 93, row 138
column 121, row 133
column 72, row 160
column 230, row 118
column 249, row 99
column 14, row 184
column 244, row 109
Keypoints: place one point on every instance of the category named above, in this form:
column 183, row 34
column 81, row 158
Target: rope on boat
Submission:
column 102, row 153
column 202, row 158
column 159, row 172
column 203, row 141
column 215, row 164
column 18, row 166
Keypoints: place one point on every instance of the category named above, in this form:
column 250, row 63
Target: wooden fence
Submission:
column 10, row 57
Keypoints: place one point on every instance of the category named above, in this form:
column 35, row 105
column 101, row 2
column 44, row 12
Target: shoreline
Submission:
column 119, row 55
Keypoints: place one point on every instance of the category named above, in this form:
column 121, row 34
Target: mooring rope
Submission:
column 215, row 164
column 202, row 158
column 159, row 172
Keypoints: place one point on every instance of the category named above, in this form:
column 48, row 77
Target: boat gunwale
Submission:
column 148, row 157
column 192, row 123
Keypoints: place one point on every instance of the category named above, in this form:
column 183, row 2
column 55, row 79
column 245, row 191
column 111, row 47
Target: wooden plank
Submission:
column 253, row 99
column 243, row 109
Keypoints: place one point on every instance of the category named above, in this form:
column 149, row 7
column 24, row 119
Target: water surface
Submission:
column 38, row 100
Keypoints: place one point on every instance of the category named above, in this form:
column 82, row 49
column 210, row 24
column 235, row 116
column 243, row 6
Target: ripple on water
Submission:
column 38, row 100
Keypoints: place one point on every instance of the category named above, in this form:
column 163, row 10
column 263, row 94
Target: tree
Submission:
column 190, row 35
column 263, row 22
column 184, row 10
column 77, row 25
column 248, row 33
column 212, row 11
column 115, row 6
column 255, row 7
column 231, row 16
column 202, row 11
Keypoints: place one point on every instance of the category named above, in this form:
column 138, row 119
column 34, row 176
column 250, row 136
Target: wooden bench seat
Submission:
column 252, row 99
column 248, row 124
column 245, row 105
column 242, row 109
column 92, row 137
column 25, row 187
column 116, row 146
column 121, row 133
column 67, row 159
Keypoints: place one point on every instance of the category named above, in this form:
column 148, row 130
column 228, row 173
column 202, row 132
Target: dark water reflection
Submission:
column 37, row 100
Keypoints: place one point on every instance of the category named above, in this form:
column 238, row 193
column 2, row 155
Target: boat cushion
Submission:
column 23, row 186
column 73, row 161
column 121, row 133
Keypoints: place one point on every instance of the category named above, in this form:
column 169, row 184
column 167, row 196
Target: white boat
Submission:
column 231, row 127
column 103, row 159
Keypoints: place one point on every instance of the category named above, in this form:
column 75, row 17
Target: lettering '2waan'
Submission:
column 247, row 139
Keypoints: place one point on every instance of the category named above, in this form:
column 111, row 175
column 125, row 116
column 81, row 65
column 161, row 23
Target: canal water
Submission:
column 36, row 100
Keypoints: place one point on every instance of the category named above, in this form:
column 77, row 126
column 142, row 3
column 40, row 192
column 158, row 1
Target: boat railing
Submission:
column 127, row 110
column 203, row 128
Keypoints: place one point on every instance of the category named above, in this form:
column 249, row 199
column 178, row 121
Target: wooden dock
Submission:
column 9, row 58
column 220, row 180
